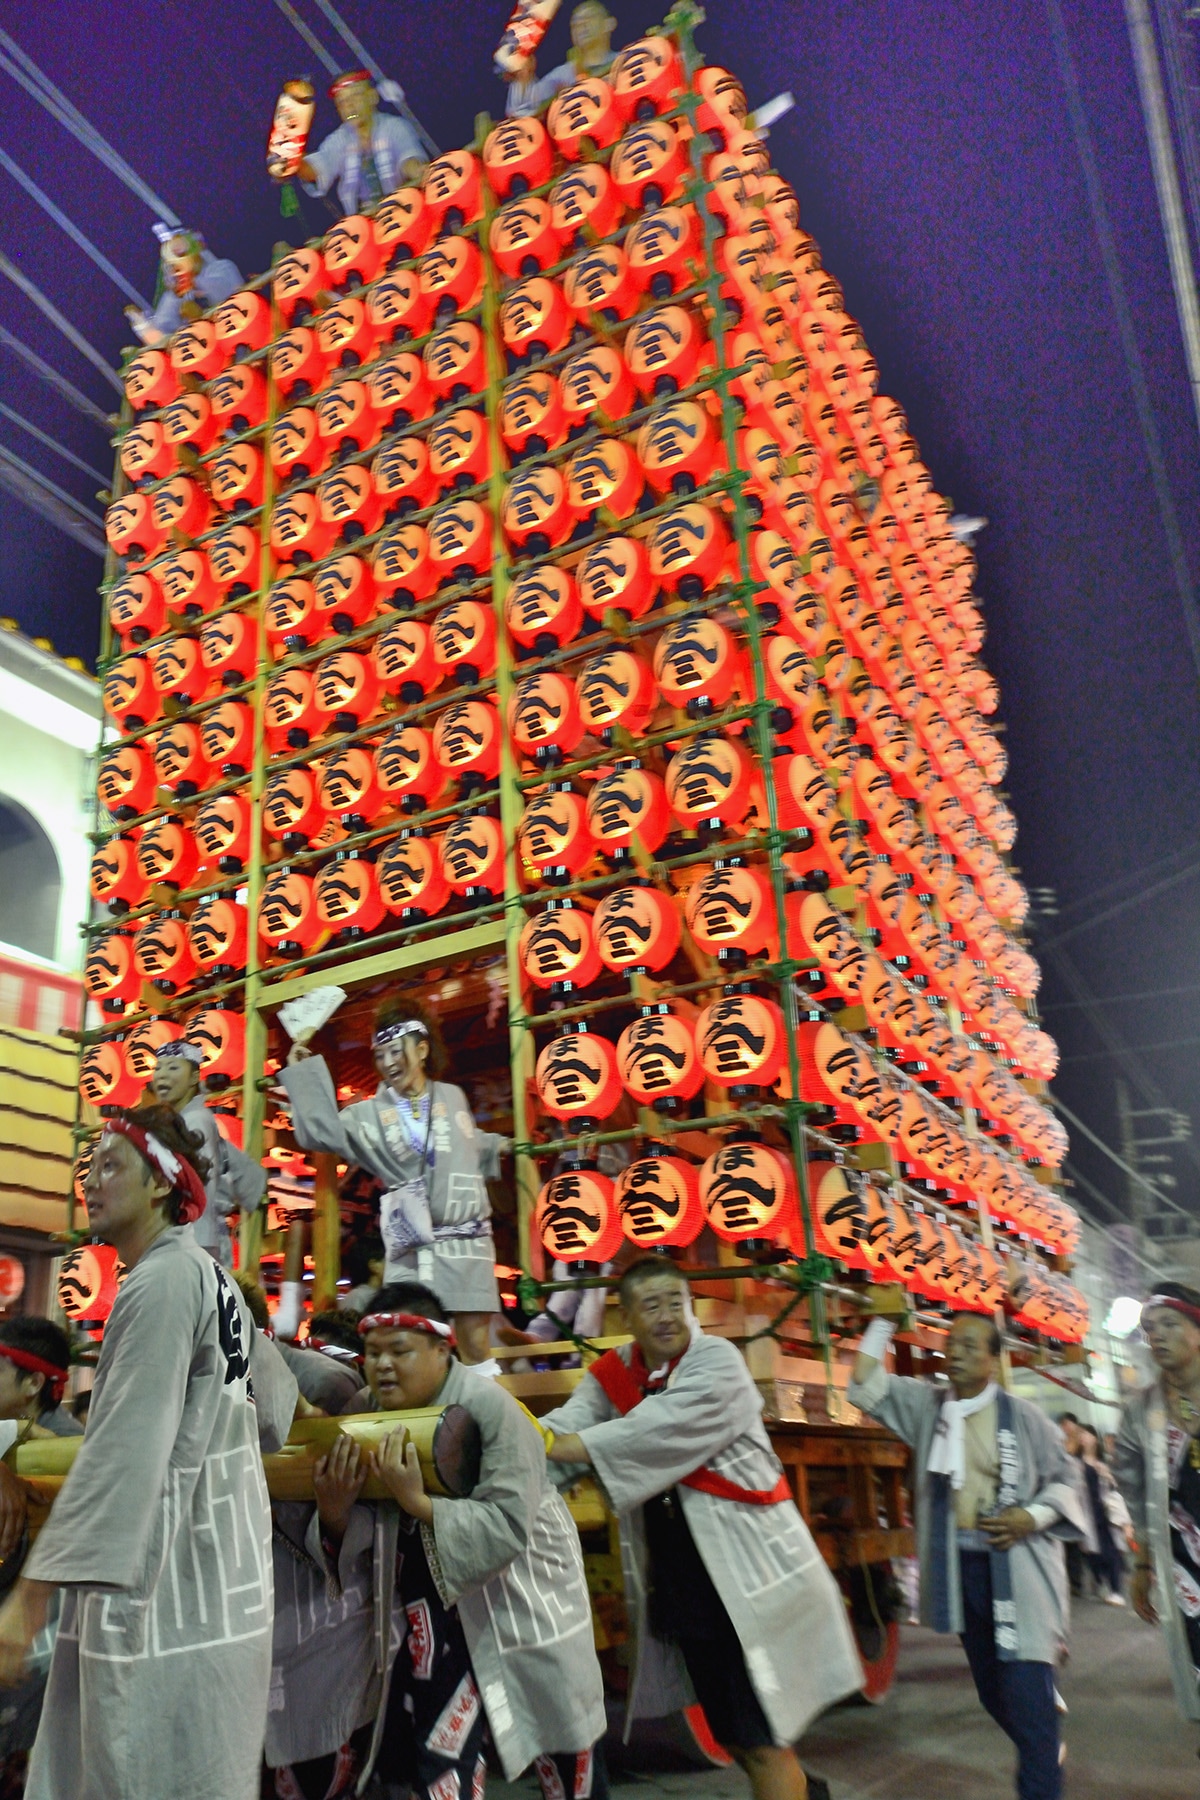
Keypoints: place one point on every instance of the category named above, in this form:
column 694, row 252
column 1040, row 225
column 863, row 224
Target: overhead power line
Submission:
column 34, row 293
column 1056, row 1006
column 39, row 87
column 395, row 94
column 73, row 232
column 1121, row 906
column 53, row 379
column 1133, row 1174
column 42, row 496
column 43, row 437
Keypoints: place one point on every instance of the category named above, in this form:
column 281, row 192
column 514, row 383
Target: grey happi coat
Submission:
column 1046, row 1476
column 1140, row 1466
column 508, row 1557
column 460, row 1264
column 785, row 1606
column 161, row 1538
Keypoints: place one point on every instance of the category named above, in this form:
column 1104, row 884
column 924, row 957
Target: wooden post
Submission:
column 326, row 1233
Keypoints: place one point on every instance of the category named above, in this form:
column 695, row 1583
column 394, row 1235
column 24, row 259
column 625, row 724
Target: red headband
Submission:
column 175, row 1169
column 391, row 1321
column 350, row 79
column 56, row 1378
column 1179, row 1306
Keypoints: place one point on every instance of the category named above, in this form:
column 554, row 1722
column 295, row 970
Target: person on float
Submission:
column 1157, row 1465
column 495, row 1638
column 418, row 1138
column 193, row 281
column 35, row 1362
column 371, row 153
column 995, row 1498
column 730, row 1600
column 592, row 27
column 160, row 1537
column 328, row 1373
column 235, row 1181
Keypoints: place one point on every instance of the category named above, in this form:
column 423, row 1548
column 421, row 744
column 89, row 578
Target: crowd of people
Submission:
column 420, row 1619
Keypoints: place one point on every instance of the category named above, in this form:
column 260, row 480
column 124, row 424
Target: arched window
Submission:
column 30, row 883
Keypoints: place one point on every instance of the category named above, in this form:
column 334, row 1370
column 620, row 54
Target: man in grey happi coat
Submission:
column 418, row 1138
column 161, row 1534
column 235, row 1181
column 995, row 1500
column 495, row 1622
column 729, row 1597
column 370, row 154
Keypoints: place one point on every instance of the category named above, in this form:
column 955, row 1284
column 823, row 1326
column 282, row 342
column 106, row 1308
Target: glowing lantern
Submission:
column 87, row 1279
column 399, row 309
column 553, row 839
column 576, row 1217
column 126, row 781
column 451, row 275
column 347, row 787
column 347, row 896
column 557, row 949
column 452, row 188
column 537, row 514
column 543, row 717
column 466, row 742
column 110, row 975
column 227, row 737
column 596, row 382
column 661, row 249
column 234, row 558
column 658, row 1201
column 616, row 690
column 839, row 1205
column 472, row 857
column 346, row 691
column 523, row 239
column 297, row 282
column 402, row 571
column 628, row 805
column 517, row 155
column 222, row 833
column 404, row 661
column 145, row 453
column 292, row 809
column 742, row 1041
column 242, row 323
column 662, row 350
column 131, row 694
column 598, row 283
column 401, row 389
column 218, row 932
column 290, row 710
column 188, row 584
column 459, row 455
column 348, row 503
column 229, row 649
column 688, row 548
column 351, row 252
column 344, row 594
column 287, row 915
column 141, row 1045
column 238, row 400
column 677, row 448
column 349, row 422
column 657, row 1061
column 542, row 609
column 460, row 540
column 221, row 1036
column 748, row 1194
column 708, row 782
column 115, row 880
column 402, row 225
column 167, row 854
column 197, row 351
column 149, row 380
column 696, row 663
column 409, row 775
column 464, row 641
column 299, row 534
column 136, row 608
column 179, row 760
column 179, row 671
column 298, row 364
column 730, row 912
column 584, row 196
column 828, row 937
column 163, row 953
column 615, row 576
column 104, row 1079
column 455, row 361
column 602, row 479
column 411, row 882
column 577, row 1079
column 637, row 930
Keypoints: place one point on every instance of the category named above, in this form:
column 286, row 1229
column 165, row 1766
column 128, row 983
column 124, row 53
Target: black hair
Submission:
column 164, row 1123
column 995, row 1342
column 1067, row 1419
column 340, row 1328
column 644, row 1269
column 398, row 1009
column 356, row 1263
column 409, row 1297
column 38, row 1337
column 255, row 1298
column 1174, row 1290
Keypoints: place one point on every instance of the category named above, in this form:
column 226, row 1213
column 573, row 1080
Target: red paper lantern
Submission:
column 553, row 839
column 344, row 594
column 404, row 661
column 517, row 156
column 242, row 323
column 596, row 383
column 708, row 782
column 229, row 648
column 645, row 77
column 840, row 1213
column 131, row 693
column 115, row 880
column 290, row 710
column 543, row 716
column 523, row 238
column 411, row 882
column 347, row 895
column 657, row 1060
column 616, row 689
column 464, row 641
column 292, row 809
column 730, row 910
column 399, row 309
column 409, row 774
column 466, row 740
column 542, row 609
column 472, row 857
column 615, row 576
column 347, row 787
column 352, row 252
column 167, row 854
column 219, row 932
column 126, row 781
column 222, row 833
column 182, row 505
column 238, row 399
column 197, row 351
column 179, row 760
column 287, row 915
column 136, row 608
column 748, row 1194
column 661, row 247
column 576, row 1218
column 584, row 117
column 696, row 663
column 296, row 447
column 130, row 528
column 104, row 1079
column 346, row 691
column 459, row 454
column 299, row 534
column 401, row 389
column 534, row 317
column 637, row 930
column 227, row 737
column 146, row 454
column 460, row 540
column 557, row 948
column 658, row 1201
column 662, row 350
column 585, row 197
column 297, row 282
column 221, row 1036
column 110, row 976
column 451, row 275
column 298, row 364
column 604, row 480
column 348, row 419
column 598, row 285
column 453, row 193
column 537, row 514
column 742, row 1041
column 402, row 569
column 402, row 225
column 149, row 380
column 348, row 502
column 142, row 1044
column 576, row 1078
column 688, row 548
column 630, row 803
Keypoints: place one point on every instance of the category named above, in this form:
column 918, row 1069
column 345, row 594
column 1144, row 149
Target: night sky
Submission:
column 937, row 163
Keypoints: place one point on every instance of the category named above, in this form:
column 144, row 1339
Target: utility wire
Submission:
column 1191, row 987
column 43, row 437
column 359, row 49
column 1102, row 1199
column 34, row 293
column 1121, row 906
column 41, row 496
column 310, row 37
column 73, row 232
column 1134, row 364
column 26, row 73
column 53, row 379
column 1186, row 1043
column 12, row 461
column 1112, row 1156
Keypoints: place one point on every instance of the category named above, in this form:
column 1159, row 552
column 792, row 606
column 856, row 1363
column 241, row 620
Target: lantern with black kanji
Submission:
column 346, row 691
column 167, row 854
column 402, row 225
column 584, row 198
column 242, row 323
column 742, row 1041
column 404, row 661
column 179, row 759
column 411, row 882
column 142, row 1045
column 730, row 912
column 188, row 583
column 466, row 742
column 687, row 549
column 542, row 609
column 104, row 1078
column 402, row 570
column 637, row 930
column 149, row 380
column 662, row 350
column 598, row 284
column 583, row 118
column 553, row 839
column 409, row 774
column 179, row 671
column 661, row 248
column 677, row 448
column 615, row 576
column 347, row 418
column 748, row 1195
column 472, row 857
column 163, row 953
column 543, row 717
column 227, row 737
column 452, row 189
column 697, row 664
column 460, row 541
column 229, row 648
column 221, row 1037
column 146, row 455
column 219, row 931
column 292, row 809
column 287, row 913
column 576, row 1218
column 399, row 309
column 464, row 641
column 455, row 361
column 839, row 1208
column 576, row 1078
column 352, row 252
column 345, row 593
column 532, row 419
column 136, row 608
column 557, row 948
column 238, row 399
column 197, row 351
column 132, row 695
column 604, row 480
column 182, row 504
column 616, row 690
column 657, row 1060
column 115, row 880
column 658, row 1200
column 126, row 780
column 130, row 528
column 536, row 514
column 295, row 445
column 348, row 789
column 534, row 318
column 627, row 807
column 348, row 503
column 596, row 384
column 290, row 710
column 222, row 832
column 708, row 782
column 348, row 899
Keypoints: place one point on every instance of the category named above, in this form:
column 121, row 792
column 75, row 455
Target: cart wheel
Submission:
column 703, row 1738
column 878, row 1648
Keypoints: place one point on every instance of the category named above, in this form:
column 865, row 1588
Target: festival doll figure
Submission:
column 193, row 281
column 418, row 1138
column 161, row 1537
column 371, row 153
column 487, row 1590
column 290, row 128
